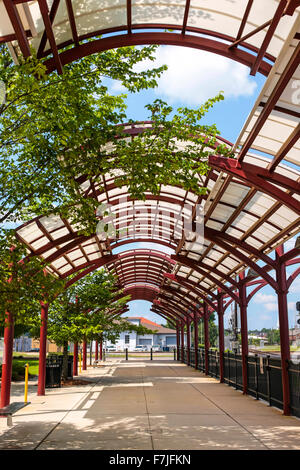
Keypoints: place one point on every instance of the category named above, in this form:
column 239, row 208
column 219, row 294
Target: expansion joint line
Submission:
column 147, row 410
column 225, row 412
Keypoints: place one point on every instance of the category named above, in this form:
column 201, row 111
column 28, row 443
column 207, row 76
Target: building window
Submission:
column 126, row 339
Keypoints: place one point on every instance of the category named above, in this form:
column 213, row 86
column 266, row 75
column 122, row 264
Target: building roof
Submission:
column 152, row 326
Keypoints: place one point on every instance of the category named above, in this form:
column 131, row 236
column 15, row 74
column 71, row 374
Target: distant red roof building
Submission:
column 152, row 325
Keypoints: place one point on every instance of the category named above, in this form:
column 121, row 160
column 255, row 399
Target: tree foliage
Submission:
column 84, row 311
column 55, row 128
column 23, row 284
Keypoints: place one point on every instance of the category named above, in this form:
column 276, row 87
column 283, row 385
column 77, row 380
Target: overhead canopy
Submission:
column 242, row 225
column 253, row 203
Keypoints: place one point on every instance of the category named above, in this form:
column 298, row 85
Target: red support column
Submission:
column 75, row 359
column 177, row 339
column 188, row 341
column 7, row 360
column 221, row 334
column 244, row 331
column 182, row 342
column 101, row 350
column 84, row 355
column 43, row 350
column 283, row 329
column 96, row 351
column 206, row 336
column 196, row 339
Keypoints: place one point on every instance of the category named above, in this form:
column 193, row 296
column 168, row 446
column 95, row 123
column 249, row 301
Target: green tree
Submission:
column 212, row 328
column 55, row 128
column 83, row 313
column 48, row 122
column 23, row 284
column 273, row 336
column 169, row 324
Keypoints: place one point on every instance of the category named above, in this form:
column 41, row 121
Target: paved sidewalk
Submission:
column 140, row 405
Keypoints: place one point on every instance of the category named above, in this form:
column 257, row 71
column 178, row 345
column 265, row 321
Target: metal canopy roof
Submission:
column 253, row 203
column 256, row 31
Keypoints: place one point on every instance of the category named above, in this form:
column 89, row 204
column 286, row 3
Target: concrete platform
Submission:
column 147, row 405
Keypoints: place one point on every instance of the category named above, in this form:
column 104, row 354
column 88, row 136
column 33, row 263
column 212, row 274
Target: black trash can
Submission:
column 58, row 359
column 53, row 374
column 70, row 367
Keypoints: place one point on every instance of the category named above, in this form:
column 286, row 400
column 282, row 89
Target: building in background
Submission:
column 23, row 343
column 162, row 338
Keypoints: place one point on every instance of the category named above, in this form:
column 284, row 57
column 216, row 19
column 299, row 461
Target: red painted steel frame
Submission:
column 75, row 359
column 96, row 351
column 196, row 338
column 7, row 360
column 84, row 354
column 220, row 312
column 255, row 176
column 283, row 329
column 244, row 332
column 43, row 350
column 177, row 339
column 101, row 350
column 160, row 38
column 206, row 336
column 182, row 341
column 188, row 341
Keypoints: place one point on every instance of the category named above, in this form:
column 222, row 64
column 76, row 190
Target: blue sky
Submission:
column 192, row 77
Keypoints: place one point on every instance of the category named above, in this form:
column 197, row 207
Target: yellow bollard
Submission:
column 80, row 362
column 26, row 383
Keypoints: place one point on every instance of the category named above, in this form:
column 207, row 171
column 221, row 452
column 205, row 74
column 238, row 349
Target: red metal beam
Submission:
column 18, row 27
column 43, row 349
column 291, row 7
column 244, row 20
column 245, row 259
column 72, row 22
column 285, row 148
column 271, row 30
column 7, row 360
column 184, row 260
column 248, row 35
column 52, row 15
column 192, row 285
column 186, row 14
column 49, row 31
column 186, row 298
column 169, row 301
column 283, row 328
column 233, row 167
column 272, row 100
column 161, row 38
column 244, row 331
column 211, row 234
column 129, row 14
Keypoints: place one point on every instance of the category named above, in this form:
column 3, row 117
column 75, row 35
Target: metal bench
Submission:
column 11, row 409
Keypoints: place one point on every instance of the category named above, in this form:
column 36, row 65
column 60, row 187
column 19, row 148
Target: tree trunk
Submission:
column 65, row 361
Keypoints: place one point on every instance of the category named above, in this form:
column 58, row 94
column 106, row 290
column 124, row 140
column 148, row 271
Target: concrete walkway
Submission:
column 141, row 405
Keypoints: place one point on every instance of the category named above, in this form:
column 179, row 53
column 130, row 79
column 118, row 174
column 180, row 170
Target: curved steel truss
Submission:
column 252, row 207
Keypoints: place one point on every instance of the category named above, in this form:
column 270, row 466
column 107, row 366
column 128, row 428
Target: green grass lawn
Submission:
column 19, row 365
column 276, row 347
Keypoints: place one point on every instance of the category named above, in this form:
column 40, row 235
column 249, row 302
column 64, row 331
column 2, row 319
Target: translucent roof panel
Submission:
column 218, row 22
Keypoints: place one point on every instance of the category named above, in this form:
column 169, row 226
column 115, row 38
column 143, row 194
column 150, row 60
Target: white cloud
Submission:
column 194, row 76
column 117, row 87
column 269, row 301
